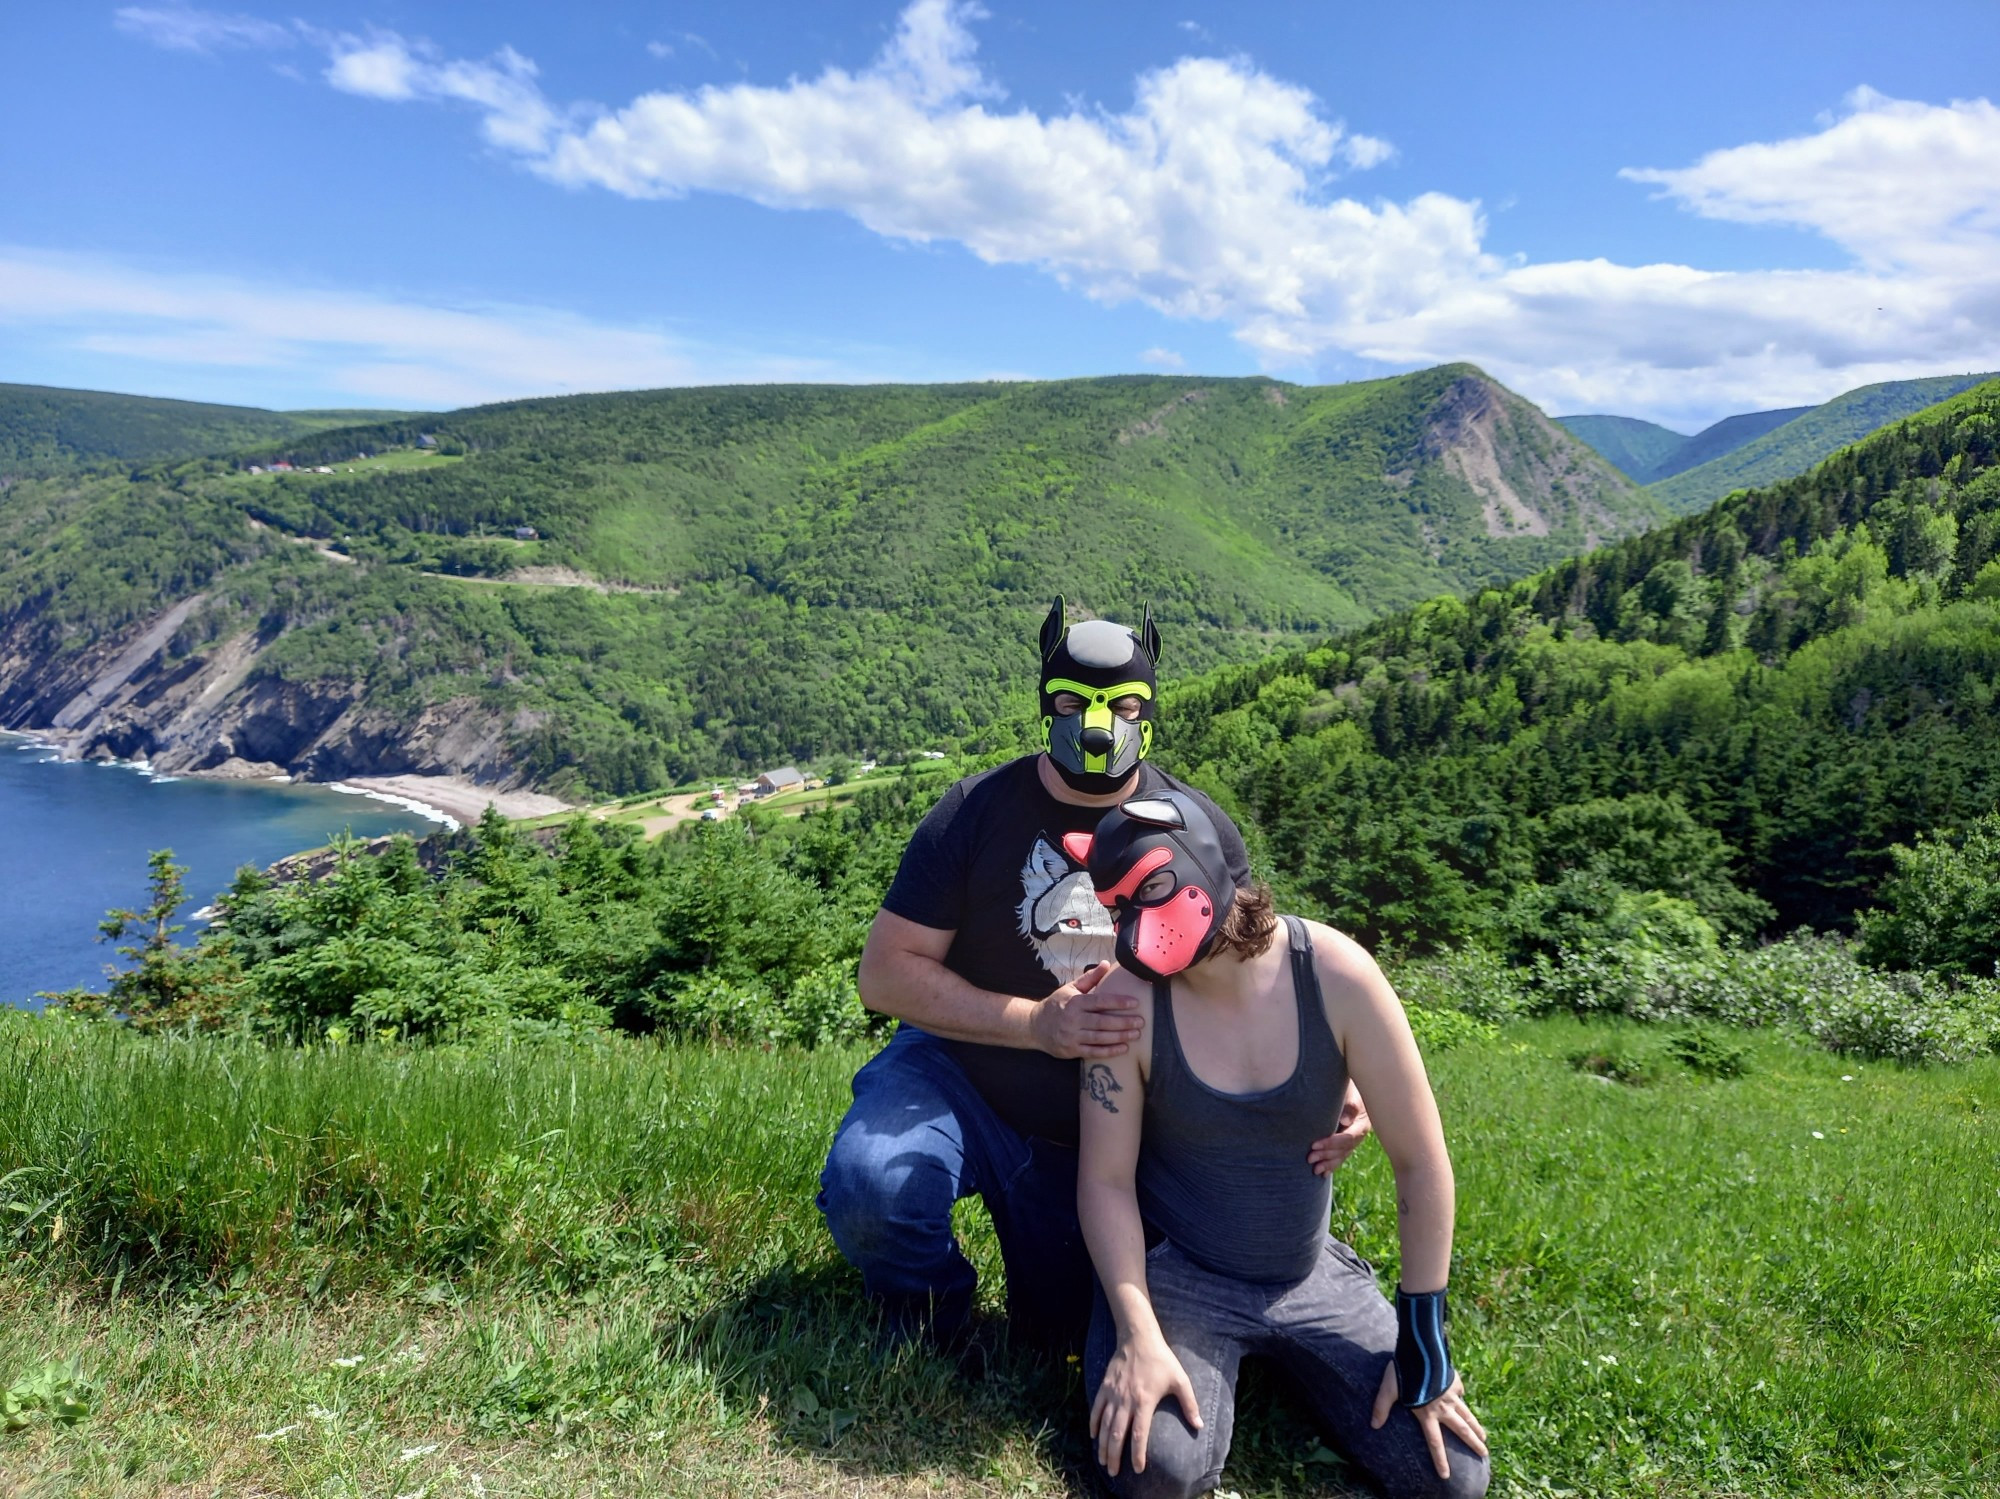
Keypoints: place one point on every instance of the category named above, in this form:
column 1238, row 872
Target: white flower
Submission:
column 1847, row 1077
column 353, row 1360
column 1607, row 1358
column 1818, row 1136
column 411, row 1454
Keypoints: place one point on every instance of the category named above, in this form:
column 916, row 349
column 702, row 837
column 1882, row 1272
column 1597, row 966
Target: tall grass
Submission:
column 355, row 1166
column 1782, row 1282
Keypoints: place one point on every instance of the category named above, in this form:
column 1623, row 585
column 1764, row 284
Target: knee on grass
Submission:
column 1179, row 1465
column 1470, row 1473
column 872, row 1204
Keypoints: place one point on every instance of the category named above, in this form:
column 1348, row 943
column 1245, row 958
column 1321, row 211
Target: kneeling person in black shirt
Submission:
column 989, row 948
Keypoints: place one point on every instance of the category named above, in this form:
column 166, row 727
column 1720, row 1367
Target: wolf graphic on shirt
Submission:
column 1061, row 915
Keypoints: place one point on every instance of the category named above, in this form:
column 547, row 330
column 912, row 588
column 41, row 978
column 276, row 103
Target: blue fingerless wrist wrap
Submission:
column 1423, row 1360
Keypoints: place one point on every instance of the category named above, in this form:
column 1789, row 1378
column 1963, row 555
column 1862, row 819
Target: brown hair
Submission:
column 1251, row 923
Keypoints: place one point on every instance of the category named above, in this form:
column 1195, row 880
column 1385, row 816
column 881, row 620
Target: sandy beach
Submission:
column 456, row 797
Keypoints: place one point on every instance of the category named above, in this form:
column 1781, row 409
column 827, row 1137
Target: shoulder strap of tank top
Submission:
column 1166, row 1058
column 1305, row 985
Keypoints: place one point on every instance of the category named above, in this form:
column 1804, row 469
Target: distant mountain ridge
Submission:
column 46, row 430
column 611, row 593
column 1633, row 446
column 1719, row 439
column 1688, row 473
column 1793, row 447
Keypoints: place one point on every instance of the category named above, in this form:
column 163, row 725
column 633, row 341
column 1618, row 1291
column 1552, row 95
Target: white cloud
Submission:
column 181, row 28
column 662, row 50
column 1901, row 184
column 1215, row 195
column 1162, row 359
column 515, row 115
column 370, row 348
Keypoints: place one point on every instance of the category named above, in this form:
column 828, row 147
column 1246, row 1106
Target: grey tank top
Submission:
column 1224, row 1175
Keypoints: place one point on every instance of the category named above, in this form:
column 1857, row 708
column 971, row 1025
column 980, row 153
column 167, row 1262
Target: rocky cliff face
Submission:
column 132, row 697
column 1530, row 475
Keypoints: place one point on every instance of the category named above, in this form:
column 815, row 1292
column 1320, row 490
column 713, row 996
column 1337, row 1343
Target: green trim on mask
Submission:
column 1105, row 695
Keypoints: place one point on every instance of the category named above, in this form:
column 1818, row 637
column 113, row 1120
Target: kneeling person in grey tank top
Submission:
column 1205, row 1220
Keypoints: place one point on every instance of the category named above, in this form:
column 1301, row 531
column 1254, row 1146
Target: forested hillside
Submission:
column 1634, row 447
column 46, row 431
column 1768, row 446
column 616, row 592
column 1743, row 710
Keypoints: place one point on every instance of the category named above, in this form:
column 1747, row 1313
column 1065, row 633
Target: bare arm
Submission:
column 1107, row 1202
column 1374, row 1034
column 903, row 974
column 1383, row 1060
column 1143, row 1371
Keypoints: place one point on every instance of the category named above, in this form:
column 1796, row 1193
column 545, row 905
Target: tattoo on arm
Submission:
column 1100, row 1085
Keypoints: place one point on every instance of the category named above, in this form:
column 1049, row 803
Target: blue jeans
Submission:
column 918, row 1138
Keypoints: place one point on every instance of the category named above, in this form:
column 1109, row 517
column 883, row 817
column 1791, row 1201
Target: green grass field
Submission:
column 396, row 460
column 599, row 1271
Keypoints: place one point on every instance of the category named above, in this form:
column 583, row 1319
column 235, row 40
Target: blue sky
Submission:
column 1669, row 211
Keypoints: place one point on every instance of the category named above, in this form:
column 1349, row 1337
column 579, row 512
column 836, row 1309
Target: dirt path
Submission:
column 671, row 812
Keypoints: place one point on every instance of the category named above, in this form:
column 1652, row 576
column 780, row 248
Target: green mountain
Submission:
column 1791, row 446
column 1646, row 452
column 1635, row 448
column 47, row 431
column 1743, row 710
column 1719, row 439
column 617, row 592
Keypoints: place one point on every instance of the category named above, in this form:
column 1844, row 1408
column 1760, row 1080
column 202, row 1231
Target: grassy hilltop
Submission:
column 556, row 1272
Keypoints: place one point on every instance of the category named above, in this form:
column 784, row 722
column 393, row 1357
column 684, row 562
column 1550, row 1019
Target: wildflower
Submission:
column 1818, row 1136
column 411, row 1454
column 1607, row 1358
column 351, row 1361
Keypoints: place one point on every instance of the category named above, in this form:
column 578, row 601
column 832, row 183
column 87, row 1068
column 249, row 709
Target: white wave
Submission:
column 408, row 803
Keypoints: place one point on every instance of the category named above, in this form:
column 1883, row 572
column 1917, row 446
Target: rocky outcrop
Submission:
column 1530, row 475
column 213, row 712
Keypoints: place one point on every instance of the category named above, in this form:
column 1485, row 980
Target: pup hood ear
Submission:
column 1052, row 628
column 1149, row 636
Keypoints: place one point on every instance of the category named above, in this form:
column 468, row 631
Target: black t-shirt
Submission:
column 989, row 865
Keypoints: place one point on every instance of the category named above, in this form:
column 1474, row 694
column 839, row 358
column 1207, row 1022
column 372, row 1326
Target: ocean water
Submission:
column 74, row 838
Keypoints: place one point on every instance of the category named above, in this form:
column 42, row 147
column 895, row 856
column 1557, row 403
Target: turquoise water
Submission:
column 74, row 839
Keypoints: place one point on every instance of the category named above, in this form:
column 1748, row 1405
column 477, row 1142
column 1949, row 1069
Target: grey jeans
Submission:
column 1333, row 1331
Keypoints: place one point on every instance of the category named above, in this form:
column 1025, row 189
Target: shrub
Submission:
column 1709, row 1052
column 1440, row 1029
column 1941, row 908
